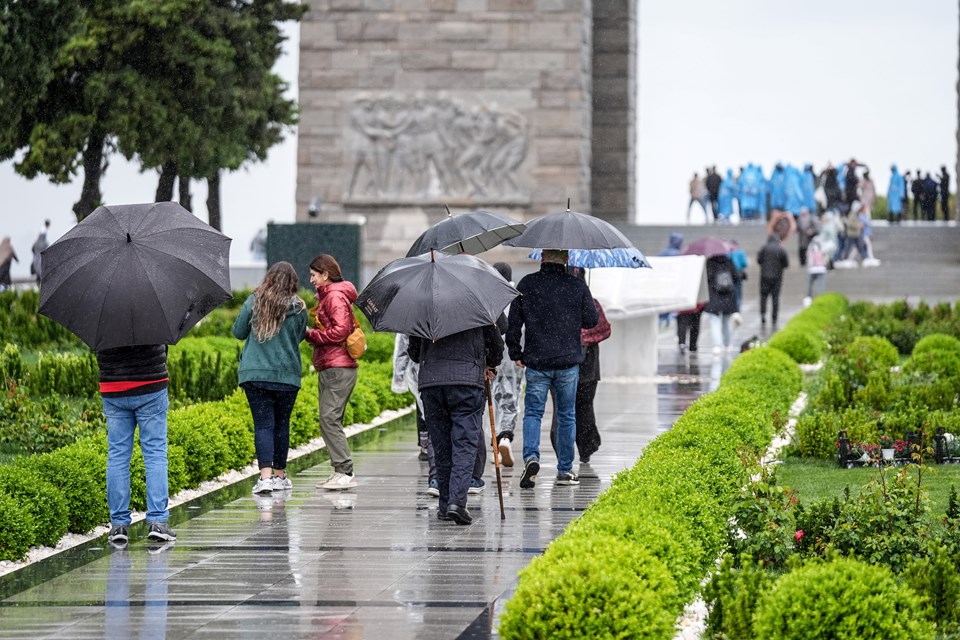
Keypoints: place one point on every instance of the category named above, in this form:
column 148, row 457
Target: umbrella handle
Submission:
column 496, row 449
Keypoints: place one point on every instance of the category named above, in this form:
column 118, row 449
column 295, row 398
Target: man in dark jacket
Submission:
column 944, row 188
column 772, row 260
column 713, row 190
column 133, row 387
column 552, row 309
column 451, row 384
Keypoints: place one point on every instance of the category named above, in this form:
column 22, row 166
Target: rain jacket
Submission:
column 673, row 245
column 552, row 309
column 896, row 191
column 335, row 315
column 458, row 359
column 720, row 303
column 772, row 259
column 277, row 359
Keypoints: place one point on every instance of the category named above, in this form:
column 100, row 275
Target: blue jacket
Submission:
column 552, row 309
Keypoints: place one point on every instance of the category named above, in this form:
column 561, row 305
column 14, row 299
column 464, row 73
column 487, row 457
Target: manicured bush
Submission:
column 79, row 471
column 798, row 343
column 202, row 441
column 732, row 595
column 30, row 425
column 17, row 528
column 46, row 504
column 937, row 342
column 203, row 369
column 843, row 598
column 599, row 588
column 936, row 580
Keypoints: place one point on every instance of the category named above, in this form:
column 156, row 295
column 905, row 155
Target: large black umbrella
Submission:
column 570, row 230
column 135, row 274
column 435, row 295
column 472, row 232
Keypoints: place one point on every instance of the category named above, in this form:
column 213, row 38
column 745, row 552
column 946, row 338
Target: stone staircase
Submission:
column 918, row 260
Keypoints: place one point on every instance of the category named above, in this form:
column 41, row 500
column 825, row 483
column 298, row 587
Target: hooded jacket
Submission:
column 277, row 359
column 334, row 322
column 772, row 259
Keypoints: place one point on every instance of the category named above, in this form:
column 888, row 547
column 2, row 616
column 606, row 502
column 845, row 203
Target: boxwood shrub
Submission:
column 46, row 504
column 17, row 528
column 79, row 471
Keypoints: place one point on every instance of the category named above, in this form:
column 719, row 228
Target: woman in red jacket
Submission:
column 337, row 371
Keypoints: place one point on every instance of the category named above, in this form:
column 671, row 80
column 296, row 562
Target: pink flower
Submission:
column 798, row 535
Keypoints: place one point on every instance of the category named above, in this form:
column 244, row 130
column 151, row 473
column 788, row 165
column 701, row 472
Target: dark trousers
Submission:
column 770, row 288
column 454, row 415
column 588, row 436
column 688, row 323
column 271, row 406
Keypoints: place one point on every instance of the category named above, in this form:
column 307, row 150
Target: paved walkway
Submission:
column 370, row 563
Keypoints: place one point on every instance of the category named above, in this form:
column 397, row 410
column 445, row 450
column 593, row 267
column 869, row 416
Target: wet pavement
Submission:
column 373, row 562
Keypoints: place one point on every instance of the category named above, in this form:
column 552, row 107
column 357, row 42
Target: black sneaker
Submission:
column 529, row 478
column 156, row 547
column 160, row 531
column 118, row 535
column 568, row 478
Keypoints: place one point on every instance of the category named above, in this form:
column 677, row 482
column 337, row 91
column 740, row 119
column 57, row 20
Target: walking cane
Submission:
column 496, row 450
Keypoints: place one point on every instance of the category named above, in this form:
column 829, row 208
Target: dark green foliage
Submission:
column 17, row 528
column 936, row 579
column 39, row 498
column 843, row 598
column 732, row 595
column 79, row 471
column 814, row 524
column 203, row 369
column 203, row 441
column 763, row 527
column 379, row 347
column 45, row 424
column 67, row 374
column 11, row 365
column 21, row 323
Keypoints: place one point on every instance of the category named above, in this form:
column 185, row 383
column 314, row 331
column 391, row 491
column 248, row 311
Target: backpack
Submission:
column 723, row 282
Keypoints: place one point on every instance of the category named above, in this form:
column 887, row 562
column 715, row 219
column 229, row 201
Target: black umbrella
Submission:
column 472, row 232
column 570, row 230
column 135, row 274
column 435, row 295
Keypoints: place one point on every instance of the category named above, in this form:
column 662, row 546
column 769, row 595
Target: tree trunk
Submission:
column 168, row 175
column 93, row 169
column 213, row 201
column 185, row 198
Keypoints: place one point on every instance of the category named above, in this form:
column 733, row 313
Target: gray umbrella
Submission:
column 435, row 295
column 135, row 274
column 570, row 230
column 472, row 232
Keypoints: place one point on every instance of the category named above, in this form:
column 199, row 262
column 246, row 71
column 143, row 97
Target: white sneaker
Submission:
column 264, row 485
column 340, row 481
column 281, row 484
column 506, row 452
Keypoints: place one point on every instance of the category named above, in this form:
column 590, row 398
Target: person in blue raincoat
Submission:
column 764, row 193
column 749, row 193
column 778, row 194
column 792, row 190
column 728, row 191
column 895, row 194
column 808, row 182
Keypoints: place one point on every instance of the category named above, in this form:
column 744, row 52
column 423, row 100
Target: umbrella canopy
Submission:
column 135, row 274
column 472, row 232
column 630, row 258
column 710, row 246
column 435, row 295
column 570, row 230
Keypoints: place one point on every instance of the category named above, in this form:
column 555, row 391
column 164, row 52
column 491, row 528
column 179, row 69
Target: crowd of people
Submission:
column 752, row 196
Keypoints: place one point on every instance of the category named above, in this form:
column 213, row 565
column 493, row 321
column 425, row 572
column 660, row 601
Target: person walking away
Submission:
column 7, row 256
column 550, row 313
column 698, row 194
column 451, row 380
column 722, row 303
column 853, row 228
column 507, row 385
column 39, row 245
column 272, row 322
column 404, row 379
column 929, row 205
column 712, row 183
column 866, row 233
column 133, row 390
column 336, row 370
column 916, row 188
column 816, row 271
column 772, row 260
column 944, row 187
column 896, row 195
column 868, row 193
column 688, row 327
column 807, row 228
column 740, row 263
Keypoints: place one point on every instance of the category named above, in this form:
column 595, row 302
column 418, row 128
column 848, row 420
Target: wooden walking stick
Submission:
column 496, row 449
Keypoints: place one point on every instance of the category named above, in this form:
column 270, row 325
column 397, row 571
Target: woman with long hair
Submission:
column 336, row 370
column 272, row 322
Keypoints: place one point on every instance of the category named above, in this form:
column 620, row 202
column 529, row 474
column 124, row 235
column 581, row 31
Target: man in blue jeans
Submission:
column 133, row 387
column 552, row 309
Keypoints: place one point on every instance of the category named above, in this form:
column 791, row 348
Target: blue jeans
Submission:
column 123, row 414
column 271, row 405
column 563, row 382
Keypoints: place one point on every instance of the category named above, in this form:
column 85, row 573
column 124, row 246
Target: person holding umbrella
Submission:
column 336, row 370
column 553, row 308
column 273, row 322
column 452, row 377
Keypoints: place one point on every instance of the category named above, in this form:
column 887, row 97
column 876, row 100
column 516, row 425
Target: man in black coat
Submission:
column 929, row 204
column 552, row 309
column 713, row 190
column 944, row 192
column 772, row 260
column 451, row 384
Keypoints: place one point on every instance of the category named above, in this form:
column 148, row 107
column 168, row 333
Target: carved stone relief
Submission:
column 415, row 150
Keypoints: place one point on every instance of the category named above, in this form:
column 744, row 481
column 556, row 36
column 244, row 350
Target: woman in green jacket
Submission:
column 272, row 321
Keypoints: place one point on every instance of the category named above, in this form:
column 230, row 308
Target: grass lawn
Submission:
column 816, row 479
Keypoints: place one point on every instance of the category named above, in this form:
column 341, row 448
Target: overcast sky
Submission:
column 722, row 83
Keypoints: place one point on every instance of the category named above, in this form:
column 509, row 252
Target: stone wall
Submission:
column 409, row 106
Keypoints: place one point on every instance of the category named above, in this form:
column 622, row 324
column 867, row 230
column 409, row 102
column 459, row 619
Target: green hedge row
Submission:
column 43, row 496
column 626, row 567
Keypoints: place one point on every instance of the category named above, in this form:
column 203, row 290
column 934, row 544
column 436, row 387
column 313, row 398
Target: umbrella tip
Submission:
column 128, row 238
column 568, row 204
column 448, row 210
